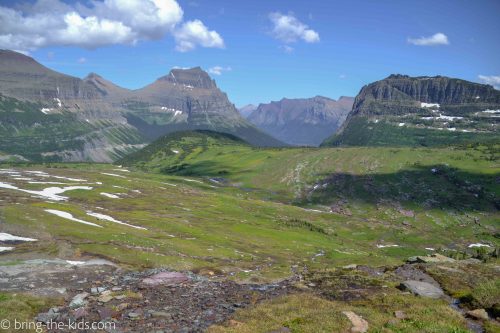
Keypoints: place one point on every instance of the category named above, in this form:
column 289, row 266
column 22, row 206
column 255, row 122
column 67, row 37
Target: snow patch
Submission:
column 109, row 195
column 429, row 105
column 58, row 101
column 45, row 110
column 478, row 245
column 111, row 219
column 112, row 175
column 192, row 180
column 380, row 246
column 8, row 237
column 441, row 117
column 401, row 124
column 6, row 248
column 69, row 216
column 175, row 151
column 68, row 178
column 121, row 170
column 50, row 193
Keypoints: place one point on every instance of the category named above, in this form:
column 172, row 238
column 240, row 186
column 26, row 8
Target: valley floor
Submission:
column 299, row 245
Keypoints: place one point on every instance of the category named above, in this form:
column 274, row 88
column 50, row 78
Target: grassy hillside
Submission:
column 212, row 204
column 363, row 131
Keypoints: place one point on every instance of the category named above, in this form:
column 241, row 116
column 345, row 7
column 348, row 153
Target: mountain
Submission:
column 420, row 111
column 49, row 116
column 247, row 110
column 187, row 100
column 305, row 121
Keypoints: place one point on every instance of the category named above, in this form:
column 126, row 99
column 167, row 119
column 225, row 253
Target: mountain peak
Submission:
column 93, row 75
column 15, row 56
column 194, row 77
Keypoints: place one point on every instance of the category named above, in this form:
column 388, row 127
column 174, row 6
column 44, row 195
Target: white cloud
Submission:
column 82, row 60
column 289, row 29
column 99, row 23
column 287, row 48
column 436, row 39
column 342, row 76
column 493, row 80
column 217, row 70
column 194, row 33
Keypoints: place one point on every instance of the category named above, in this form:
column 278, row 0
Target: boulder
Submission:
column 165, row 278
column 78, row 301
column 479, row 314
column 359, row 325
column 423, row 289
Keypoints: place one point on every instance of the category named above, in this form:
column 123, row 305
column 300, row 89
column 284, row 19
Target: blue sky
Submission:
column 328, row 48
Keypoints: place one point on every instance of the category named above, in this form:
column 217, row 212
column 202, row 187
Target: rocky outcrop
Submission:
column 305, row 121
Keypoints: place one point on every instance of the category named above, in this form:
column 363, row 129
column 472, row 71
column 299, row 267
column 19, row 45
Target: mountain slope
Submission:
column 305, row 122
column 57, row 117
column 414, row 111
column 188, row 99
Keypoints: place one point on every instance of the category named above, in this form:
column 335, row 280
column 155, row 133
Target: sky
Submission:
column 260, row 51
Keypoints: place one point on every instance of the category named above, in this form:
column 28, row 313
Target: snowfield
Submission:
column 8, row 237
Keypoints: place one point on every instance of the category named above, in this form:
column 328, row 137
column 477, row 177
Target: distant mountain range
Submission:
column 247, row 110
column 46, row 115
column 302, row 121
column 49, row 116
column 421, row 111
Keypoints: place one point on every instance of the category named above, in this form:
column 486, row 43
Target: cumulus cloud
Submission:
column 493, row 80
column 193, row 33
column 436, row 39
column 217, row 70
column 289, row 29
column 99, row 23
column 82, row 60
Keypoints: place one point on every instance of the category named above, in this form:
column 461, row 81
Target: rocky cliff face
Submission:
column 305, row 121
column 403, row 110
column 403, row 89
column 111, row 120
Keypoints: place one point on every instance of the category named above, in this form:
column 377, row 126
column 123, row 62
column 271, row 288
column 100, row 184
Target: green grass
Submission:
column 360, row 131
column 22, row 308
column 262, row 224
column 308, row 313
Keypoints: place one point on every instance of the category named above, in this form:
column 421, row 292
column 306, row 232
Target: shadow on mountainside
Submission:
column 428, row 187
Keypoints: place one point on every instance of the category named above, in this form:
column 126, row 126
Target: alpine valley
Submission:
column 374, row 214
